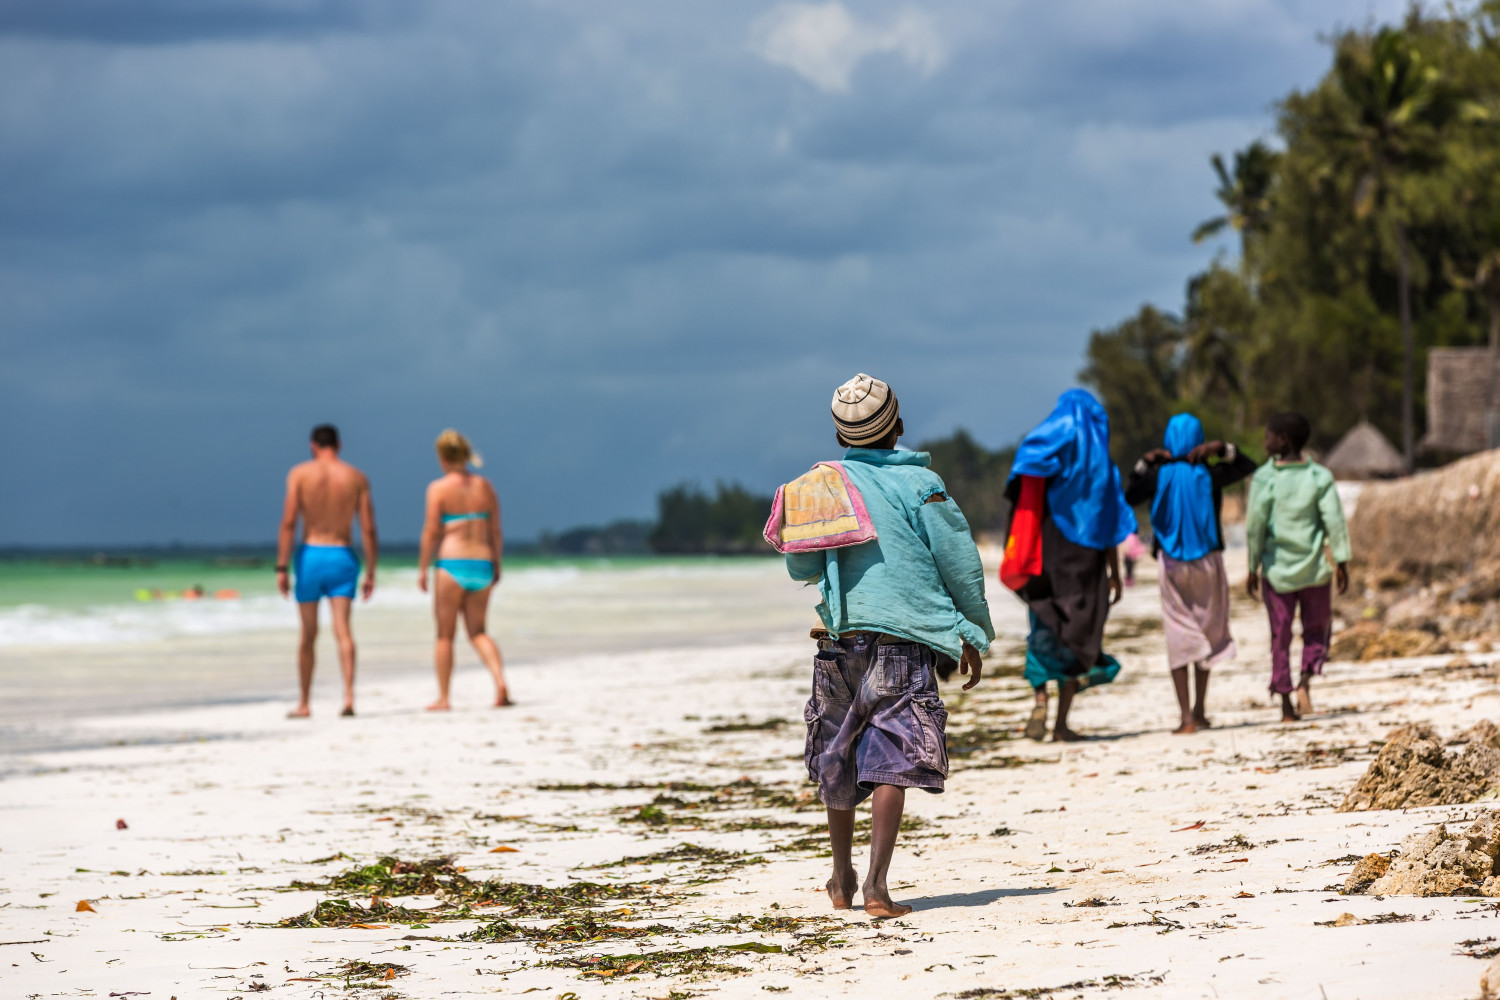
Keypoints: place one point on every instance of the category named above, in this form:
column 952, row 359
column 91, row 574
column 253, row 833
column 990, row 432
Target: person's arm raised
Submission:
column 286, row 534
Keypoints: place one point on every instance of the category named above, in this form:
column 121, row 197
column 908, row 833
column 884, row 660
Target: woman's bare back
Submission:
column 465, row 493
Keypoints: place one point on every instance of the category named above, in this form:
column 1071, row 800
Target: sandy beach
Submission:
column 1202, row 866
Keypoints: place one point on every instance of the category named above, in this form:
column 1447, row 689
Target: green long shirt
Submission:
column 1294, row 512
column 921, row 578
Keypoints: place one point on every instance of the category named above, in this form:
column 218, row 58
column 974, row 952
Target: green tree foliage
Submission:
column 1370, row 235
column 690, row 522
column 975, row 477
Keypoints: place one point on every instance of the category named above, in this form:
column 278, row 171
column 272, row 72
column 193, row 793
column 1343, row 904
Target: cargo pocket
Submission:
column 932, row 729
column 813, row 748
column 891, row 674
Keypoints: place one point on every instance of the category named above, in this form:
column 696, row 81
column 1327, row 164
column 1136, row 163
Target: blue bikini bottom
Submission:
column 470, row 574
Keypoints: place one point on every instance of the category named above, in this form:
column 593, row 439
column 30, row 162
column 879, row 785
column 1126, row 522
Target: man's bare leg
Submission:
column 888, row 803
column 1184, row 704
column 344, row 636
column 1200, row 685
column 307, row 651
column 476, row 604
column 447, row 599
column 841, row 839
column 1036, row 726
column 1060, row 731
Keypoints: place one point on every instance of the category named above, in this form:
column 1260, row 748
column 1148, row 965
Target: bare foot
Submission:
column 1304, row 702
column 1062, row 734
column 502, row 699
column 841, row 889
column 348, row 712
column 441, row 705
column 882, row 907
column 300, row 712
column 1201, row 721
column 1290, row 717
column 1036, row 726
column 1188, row 727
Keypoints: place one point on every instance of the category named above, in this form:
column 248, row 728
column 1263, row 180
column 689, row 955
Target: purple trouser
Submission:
column 875, row 718
column 1317, row 628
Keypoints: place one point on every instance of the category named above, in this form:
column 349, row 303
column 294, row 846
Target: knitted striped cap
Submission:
column 864, row 410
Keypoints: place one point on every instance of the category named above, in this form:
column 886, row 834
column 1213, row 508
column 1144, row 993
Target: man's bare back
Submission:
column 327, row 493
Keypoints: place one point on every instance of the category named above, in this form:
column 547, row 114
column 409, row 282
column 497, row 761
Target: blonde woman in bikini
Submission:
column 463, row 530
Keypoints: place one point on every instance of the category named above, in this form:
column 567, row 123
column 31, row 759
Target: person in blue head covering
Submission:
column 1084, row 520
column 1186, row 493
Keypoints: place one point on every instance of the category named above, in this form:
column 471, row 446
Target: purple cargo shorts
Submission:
column 875, row 718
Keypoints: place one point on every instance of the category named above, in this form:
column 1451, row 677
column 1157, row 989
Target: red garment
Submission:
column 1023, row 549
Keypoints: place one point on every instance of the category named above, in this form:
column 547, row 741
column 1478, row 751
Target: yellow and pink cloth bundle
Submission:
column 820, row 509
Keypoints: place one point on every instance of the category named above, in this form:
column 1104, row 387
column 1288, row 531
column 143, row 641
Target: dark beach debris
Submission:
column 366, row 975
column 1112, row 982
column 746, row 726
column 391, row 876
column 816, row 839
column 1238, row 842
column 1167, row 924
column 1478, row 948
column 690, row 796
column 1095, row 901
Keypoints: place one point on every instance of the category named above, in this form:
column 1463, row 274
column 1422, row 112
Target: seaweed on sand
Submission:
column 692, row 962
column 390, row 876
column 744, row 725
column 582, row 928
column 381, row 972
column 709, row 857
column 456, row 892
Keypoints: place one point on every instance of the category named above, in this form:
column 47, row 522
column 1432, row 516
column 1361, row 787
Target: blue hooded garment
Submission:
column 1182, row 514
column 1071, row 450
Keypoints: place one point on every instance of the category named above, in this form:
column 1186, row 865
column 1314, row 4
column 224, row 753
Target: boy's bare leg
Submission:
column 306, row 659
column 344, row 636
column 1288, row 713
column 888, row 803
column 1184, row 704
column 841, row 839
column 1036, row 726
column 1060, row 731
column 1200, row 683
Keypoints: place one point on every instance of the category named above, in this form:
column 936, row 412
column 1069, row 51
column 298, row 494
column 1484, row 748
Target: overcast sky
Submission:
column 619, row 245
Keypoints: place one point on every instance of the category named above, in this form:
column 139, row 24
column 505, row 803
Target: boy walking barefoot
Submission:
column 893, row 608
column 1294, row 514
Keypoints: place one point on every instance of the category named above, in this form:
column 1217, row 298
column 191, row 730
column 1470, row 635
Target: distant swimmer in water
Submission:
column 327, row 493
column 463, row 530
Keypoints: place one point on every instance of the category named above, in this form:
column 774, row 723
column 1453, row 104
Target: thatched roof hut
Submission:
column 1463, row 393
column 1364, row 453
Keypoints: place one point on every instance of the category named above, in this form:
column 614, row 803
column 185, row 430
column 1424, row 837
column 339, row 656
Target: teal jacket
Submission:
column 1294, row 511
column 921, row 578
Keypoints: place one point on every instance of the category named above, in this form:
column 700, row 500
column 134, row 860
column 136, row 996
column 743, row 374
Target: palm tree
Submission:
column 1383, row 133
column 1246, row 195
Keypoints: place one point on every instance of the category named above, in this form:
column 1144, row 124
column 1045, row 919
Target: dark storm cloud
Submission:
column 620, row 245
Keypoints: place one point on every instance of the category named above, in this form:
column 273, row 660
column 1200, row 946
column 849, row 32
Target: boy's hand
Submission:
column 1341, row 578
column 970, row 664
column 1156, row 456
column 1252, row 585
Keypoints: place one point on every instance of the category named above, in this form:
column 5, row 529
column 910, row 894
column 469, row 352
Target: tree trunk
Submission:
column 1408, row 351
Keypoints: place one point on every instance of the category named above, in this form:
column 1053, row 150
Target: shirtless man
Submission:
column 327, row 493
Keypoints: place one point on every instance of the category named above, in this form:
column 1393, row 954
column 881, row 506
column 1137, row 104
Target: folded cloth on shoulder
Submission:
column 820, row 509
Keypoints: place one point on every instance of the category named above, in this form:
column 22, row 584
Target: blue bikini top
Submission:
column 480, row 515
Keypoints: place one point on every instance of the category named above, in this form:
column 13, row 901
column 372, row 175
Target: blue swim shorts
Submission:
column 325, row 571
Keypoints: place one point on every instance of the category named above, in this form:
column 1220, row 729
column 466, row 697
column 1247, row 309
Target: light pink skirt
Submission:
column 1195, row 610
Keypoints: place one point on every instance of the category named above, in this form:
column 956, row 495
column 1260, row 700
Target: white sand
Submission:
column 250, row 810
